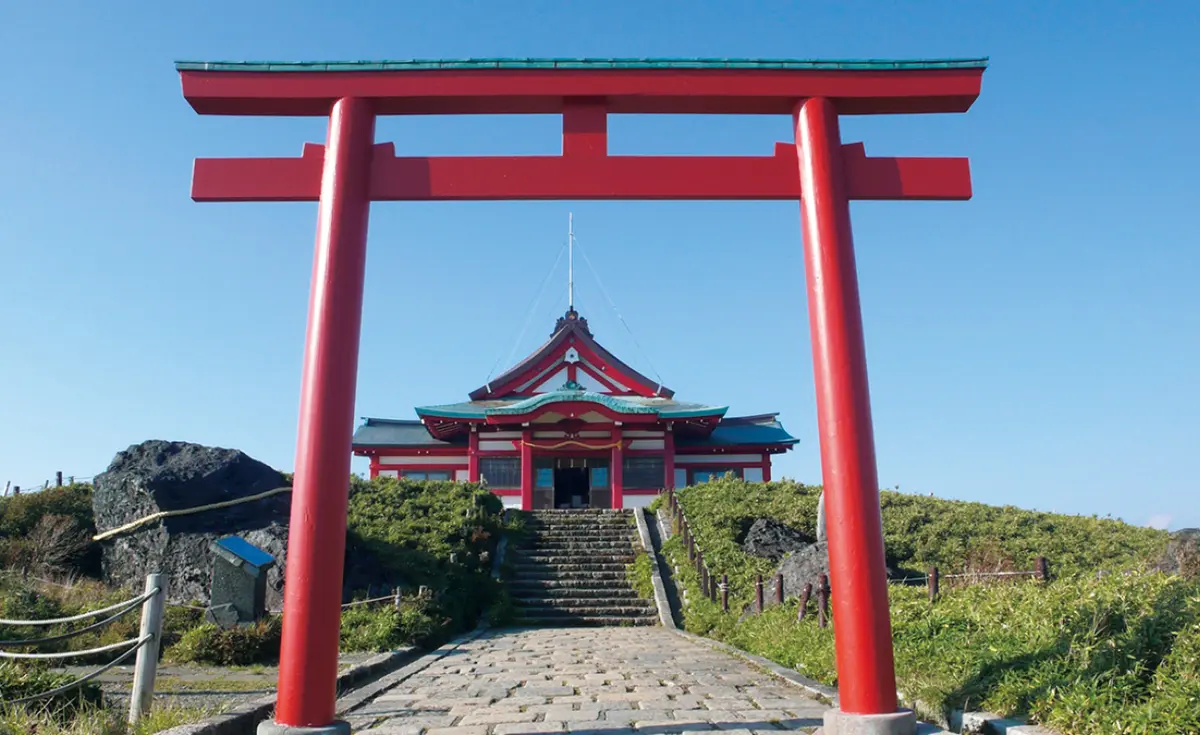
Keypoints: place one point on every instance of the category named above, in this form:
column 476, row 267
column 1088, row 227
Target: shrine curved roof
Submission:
column 584, row 63
column 665, row 407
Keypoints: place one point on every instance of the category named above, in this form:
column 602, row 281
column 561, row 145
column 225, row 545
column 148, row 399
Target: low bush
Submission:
column 1085, row 655
column 387, row 627
column 23, row 679
column 415, row 528
column 919, row 532
column 237, row 646
column 50, row 532
column 641, row 576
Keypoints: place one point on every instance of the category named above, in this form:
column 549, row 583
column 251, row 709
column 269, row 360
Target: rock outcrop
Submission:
column 770, row 539
column 1182, row 555
column 804, row 567
column 159, row 476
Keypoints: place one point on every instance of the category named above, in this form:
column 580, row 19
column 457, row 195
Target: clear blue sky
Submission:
column 1035, row 346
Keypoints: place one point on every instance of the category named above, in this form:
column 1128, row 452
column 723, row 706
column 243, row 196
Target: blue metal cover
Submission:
column 246, row 551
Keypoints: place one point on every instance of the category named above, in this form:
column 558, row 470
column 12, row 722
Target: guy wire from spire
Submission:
column 570, row 261
column 603, row 290
column 528, row 316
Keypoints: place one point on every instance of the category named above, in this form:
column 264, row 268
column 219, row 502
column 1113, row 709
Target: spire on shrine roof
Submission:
column 571, row 317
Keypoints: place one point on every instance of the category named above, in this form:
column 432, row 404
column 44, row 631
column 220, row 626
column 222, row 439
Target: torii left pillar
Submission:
column 308, row 656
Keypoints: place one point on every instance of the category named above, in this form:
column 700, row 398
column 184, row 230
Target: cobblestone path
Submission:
column 607, row 681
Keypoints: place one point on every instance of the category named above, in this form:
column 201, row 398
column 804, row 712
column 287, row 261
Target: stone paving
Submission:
column 603, row 681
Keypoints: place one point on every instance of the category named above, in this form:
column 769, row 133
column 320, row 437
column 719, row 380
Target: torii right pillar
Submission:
column 862, row 624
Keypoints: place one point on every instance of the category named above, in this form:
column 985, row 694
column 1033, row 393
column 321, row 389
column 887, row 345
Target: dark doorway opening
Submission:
column 571, row 487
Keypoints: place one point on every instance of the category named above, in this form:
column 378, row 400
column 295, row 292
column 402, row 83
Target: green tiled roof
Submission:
column 665, row 407
column 664, row 63
column 397, row 432
column 740, row 432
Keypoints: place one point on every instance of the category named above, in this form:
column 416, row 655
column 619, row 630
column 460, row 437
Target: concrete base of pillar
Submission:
column 270, row 727
column 837, row 722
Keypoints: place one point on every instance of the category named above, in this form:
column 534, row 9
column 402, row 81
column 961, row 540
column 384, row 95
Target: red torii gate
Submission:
column 351, row 170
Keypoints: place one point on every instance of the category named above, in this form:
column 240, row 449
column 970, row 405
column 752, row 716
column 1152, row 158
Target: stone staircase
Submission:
column 572, row 570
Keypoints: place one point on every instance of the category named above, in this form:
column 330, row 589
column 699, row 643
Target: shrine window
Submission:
column 503, row 472
column 642, row 473
column 425, row 474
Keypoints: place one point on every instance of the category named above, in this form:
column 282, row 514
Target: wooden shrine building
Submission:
column 571, row 426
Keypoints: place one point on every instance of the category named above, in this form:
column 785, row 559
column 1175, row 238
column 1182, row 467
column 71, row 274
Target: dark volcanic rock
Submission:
column 160, row 476
column 1182, row 555
column 803, row 567
column 773, row 540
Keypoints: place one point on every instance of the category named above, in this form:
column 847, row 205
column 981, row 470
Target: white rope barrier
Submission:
column 187, row 511
column 365, row 602
column 76, row 654
column 66, row 636
column 83, row 679
column 84, row 616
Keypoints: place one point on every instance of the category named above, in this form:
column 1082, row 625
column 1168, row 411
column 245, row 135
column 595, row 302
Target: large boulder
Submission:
column 770, row 539
column 804, row 567
column 159, row 476
column 1182, row 555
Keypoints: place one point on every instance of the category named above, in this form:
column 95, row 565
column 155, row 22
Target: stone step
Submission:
column 616, row 533
column 616, row 522
column 589, row 622
column 595, row 566
column 575, row 593
column 566, row 608
column 582, row 543
column 580, row 583
column 551, row 573
column 573, row 558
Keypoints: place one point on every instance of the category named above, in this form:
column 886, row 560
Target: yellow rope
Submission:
column 572, row 442
column 187, row 511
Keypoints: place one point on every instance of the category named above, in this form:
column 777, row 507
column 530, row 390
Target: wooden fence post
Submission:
column 758, row 600
column 1043, row 569
column 779, row 588
column 724, row 593
column 804, row 601
column 823, row 602
column 146, row 667
column 934, row 584
column 58, row 479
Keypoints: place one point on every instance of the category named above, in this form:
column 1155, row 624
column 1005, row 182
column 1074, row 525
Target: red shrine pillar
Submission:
column 473, row 455
column 616, row 475
column 317, row 540
column 526, row 470
column 862, row 625
column 669, row 458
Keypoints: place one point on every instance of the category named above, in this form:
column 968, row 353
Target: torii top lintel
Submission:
column 584, row 92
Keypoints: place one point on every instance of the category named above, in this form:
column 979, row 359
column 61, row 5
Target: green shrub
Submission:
column 641, row 576
column 238, row 646
column 25, row 679
column 50, row 531
column 386, row 627
column 1084, row 655
column 412, row 528
column 919, row 531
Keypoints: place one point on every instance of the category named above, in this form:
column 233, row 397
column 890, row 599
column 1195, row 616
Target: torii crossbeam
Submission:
column 351, row 170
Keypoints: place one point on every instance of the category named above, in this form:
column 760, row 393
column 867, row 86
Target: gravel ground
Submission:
column 212, row 688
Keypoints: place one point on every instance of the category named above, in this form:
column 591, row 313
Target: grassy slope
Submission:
column 412, row 528
column 1084, row 655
